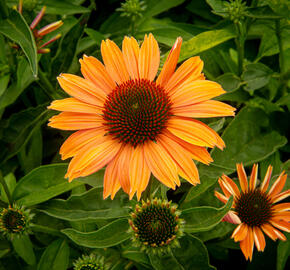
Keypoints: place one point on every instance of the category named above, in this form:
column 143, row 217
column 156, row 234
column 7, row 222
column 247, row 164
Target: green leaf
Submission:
column 110, row 235
column 219, row 7
column 76, row 208
column 204, row 218
column 229, row 81
column 154, row 7
column 134, row 254
column 19, row 128
column 11, row 183
column 24, row 79
column 67, row 50
column 30, row 155
column 42, row 184
column 16, row 28
column 263, row 12
column 192, row 255
column 55, row 256
column 64, row 7
column 95, row 35
column 23, row 247
column 205, row 41
column 4, row 80
column 245, row 141
column 256, row 76
column 283, row 252
column 281, row 7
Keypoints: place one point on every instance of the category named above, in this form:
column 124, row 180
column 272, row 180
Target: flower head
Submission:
column 156, row 225
column 90, row 262
column 134, row 124
column 256, row 210
column 39, row 34
column 14, row 221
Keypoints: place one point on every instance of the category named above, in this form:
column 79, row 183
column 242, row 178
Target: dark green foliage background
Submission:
column 252, row 62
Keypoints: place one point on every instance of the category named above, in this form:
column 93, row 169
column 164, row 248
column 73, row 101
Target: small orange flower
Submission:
column 134, row 124
column 256, row 210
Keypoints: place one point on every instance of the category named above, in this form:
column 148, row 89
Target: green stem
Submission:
column 280, row 44
column 6, row 189
column 47, row 86
column 146, row 194
column 43, row 229
column 240, row 43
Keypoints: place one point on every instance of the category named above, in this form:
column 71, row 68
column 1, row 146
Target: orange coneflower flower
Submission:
column 256, row 210
column 133, row 124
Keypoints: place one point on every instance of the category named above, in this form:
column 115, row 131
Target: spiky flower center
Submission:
column 156, row 224
column 91, row 266
column 136, row 111
column 89, row 262
column 12, row 220
column 254, row 208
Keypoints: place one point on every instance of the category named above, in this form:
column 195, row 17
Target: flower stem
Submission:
column 43, row 229
column 6, row 189
column 240, row 43
column 280, row 44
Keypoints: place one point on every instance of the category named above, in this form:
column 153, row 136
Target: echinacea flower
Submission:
column 39, row 34
column 90, row 262
column 134, row 124
column 256, row 210
column 156, row 225
column 15, row 221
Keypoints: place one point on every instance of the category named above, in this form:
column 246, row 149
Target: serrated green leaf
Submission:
column 110, row 235
column 256, row 76
column 205, row 41
column 204, row 218
column 16, row 28
column 42, row 184
column 77, row 208
column 245, row 141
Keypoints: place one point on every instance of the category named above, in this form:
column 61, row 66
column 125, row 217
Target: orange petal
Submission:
column 130, row 49
column 94, row 71
column 79, row 139
column 221, row 197
column 92, row 157
column 231, row 217
column 75, row 121
column 281, row 196
column 266, row 180
column 170, row 63
column 114, row 61
column 123, row 164
column 149, row 58
column 231, row 186
column 161, row 164
column 139, row 172
column 281, row 216
column 195, row 92
column 189, row 71
column 270, row 231
column 259, row 239
column 242, row 177
column 81, row 89
column 247, row 245
column 74, row 105
column 208, row 108
column 194, row 132
column 278, row 185
column 253, row 178
column 185, row 165
column 240, row 232
column 281, row 207
column 224, row 188
column 111, row 178
column 281, row 224
column 197, row 152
